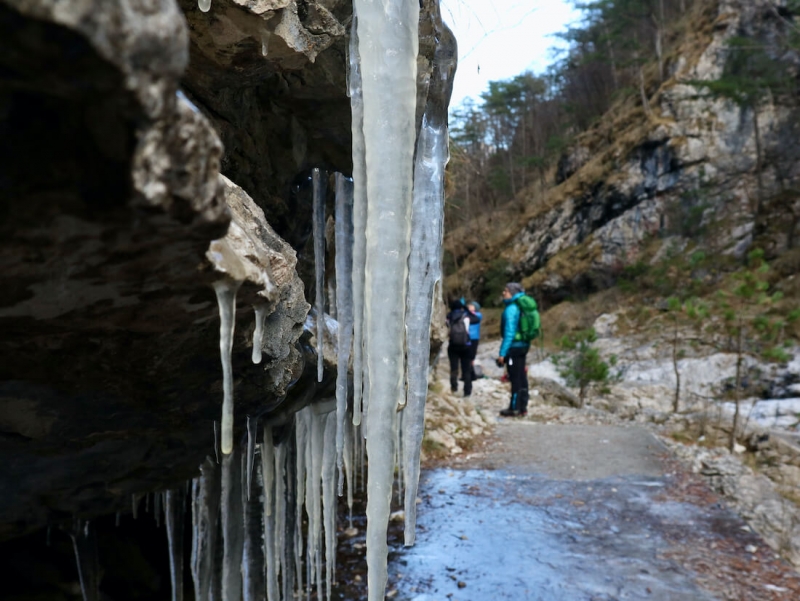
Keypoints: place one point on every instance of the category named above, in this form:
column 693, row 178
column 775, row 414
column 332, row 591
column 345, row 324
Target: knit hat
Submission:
column 475, row 304
column 514, row 288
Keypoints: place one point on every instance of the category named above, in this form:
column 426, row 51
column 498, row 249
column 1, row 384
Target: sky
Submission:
column 498, row 39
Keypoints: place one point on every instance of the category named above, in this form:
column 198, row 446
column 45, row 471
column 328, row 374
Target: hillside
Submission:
column 702, row 157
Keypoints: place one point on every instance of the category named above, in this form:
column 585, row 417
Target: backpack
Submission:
column 529, row 320
column 459, row 330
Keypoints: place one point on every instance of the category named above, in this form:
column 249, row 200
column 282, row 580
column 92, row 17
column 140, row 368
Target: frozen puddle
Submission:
column 494, row 535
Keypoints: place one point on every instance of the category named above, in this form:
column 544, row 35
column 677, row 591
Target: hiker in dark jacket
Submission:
column 459, row 351
column 513, row 352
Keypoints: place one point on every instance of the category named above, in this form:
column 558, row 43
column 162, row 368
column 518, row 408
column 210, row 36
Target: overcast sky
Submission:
column 498, row 39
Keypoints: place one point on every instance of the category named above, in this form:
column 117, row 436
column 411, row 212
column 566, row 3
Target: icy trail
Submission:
column 387, row 48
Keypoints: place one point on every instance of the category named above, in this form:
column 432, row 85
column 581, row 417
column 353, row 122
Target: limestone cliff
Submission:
column 643, row 173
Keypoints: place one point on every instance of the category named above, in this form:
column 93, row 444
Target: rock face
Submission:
column 116, row 221
column 691, row 164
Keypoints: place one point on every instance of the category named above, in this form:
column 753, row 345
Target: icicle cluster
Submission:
column 263, row 522
column 249, row 538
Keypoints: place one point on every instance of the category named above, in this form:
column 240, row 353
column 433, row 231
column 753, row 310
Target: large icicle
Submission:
column 253, row 552
column 232, row 527
column 318, row 220
column 329, row 497
column 424, row 263
column 226, row 298
column 388, row 47
column 84, row 543
column 424, row 273
column 271, row 551
column 344, row 304
column 175, row 515
column 359, row 217
column 205, row 525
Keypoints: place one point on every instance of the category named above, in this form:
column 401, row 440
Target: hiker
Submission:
column 459, row 350
column 474, row 333
column 519, row 325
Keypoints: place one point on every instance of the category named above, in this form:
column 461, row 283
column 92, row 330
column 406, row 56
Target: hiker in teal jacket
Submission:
column 513, row 352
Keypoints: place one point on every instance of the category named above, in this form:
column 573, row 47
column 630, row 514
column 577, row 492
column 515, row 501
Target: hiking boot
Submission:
column 523, row 413
column 509, row 413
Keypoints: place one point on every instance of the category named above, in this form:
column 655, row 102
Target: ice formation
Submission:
column 204, row 5
column 226, row 298
column 264, row 514
column 84, row 543
column 424, row 272
column 388, row 44
column 265, row 36
column 359, row 216
column 258, row 334
column 344, row 304
column 318, row 218
column 174, row 509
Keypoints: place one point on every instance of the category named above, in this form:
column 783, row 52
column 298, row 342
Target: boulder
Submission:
column 550, row 392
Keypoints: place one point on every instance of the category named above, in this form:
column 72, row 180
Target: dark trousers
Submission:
column 515, row 363
column 474, row 353
column 460, row 354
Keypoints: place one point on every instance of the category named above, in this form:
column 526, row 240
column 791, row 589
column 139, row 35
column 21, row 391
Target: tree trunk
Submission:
column 759, row 180
column 676, row 401
column 737, row 385
column 645, row 102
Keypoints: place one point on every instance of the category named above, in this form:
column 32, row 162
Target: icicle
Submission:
column 388, row 46
column 226, row 299
column 348, row 470
column 216, row 441
column 116, row 520
column 318, row 215
column 425, row 270
column 84, row 543
column 204, row 5
column 205, row 525
column 253, row 554
column 232, row 527
column 134, row 506
column 252, row 434
column 280, row 518
column 270, row 543
column 359, row 217
column 258, row 334
column 157, row 508
column 265, row 36
column 344, row 305
column 316, row 448
column 174, row 518
column 329, row 496
column 47, row 536
column 301, row 442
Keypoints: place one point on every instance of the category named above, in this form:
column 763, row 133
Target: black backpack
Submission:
column 459, row 328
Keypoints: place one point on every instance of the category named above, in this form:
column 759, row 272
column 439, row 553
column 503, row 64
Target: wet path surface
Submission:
column 576, row 513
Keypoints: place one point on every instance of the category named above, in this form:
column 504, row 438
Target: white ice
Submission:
column 226, row 299
column 387, row 47
column 258, row 334
column 424, row 271
column 344, row 305
column 204, row 5
column 318, row 220
column 359, row 216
